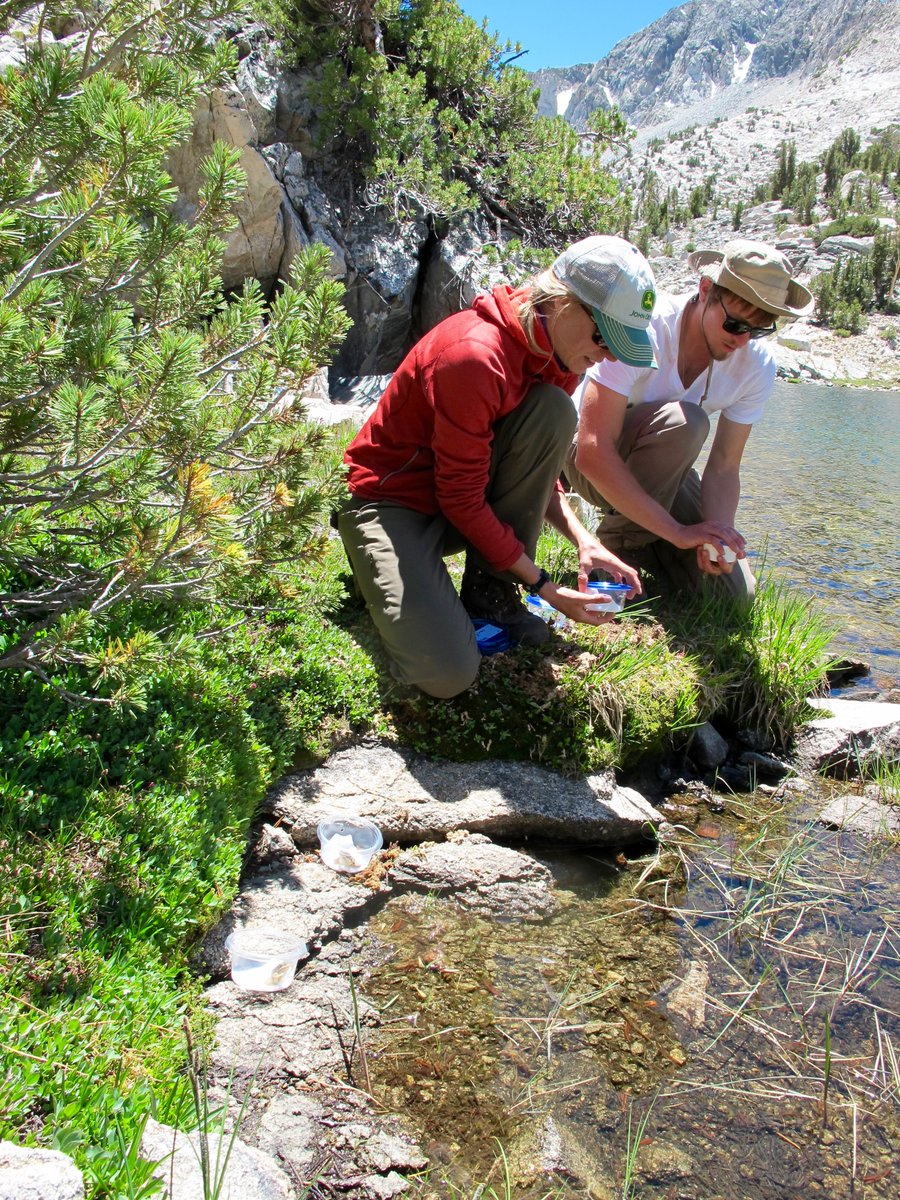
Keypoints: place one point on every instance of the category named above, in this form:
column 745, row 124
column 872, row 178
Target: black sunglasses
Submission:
column 733, row 325
column 596, row 337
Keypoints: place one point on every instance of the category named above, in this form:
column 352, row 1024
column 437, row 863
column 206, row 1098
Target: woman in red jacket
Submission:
column 464, row 451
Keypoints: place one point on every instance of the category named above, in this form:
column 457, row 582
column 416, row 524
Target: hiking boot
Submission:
column 491, row 599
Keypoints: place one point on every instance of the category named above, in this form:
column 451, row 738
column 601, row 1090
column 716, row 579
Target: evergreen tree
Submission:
column 786, row 171
column 834, row 165
column 657, row 213
column 885, row 268
column 431, row 115
column 149, row 449
column 801, row 195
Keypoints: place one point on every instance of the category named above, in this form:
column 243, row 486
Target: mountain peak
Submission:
column 706, row 48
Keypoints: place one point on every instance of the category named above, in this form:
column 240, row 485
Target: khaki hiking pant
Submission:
column 660, row 443
column 397, row 554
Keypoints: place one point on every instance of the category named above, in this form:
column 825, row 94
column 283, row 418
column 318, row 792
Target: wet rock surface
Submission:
column 481, row 876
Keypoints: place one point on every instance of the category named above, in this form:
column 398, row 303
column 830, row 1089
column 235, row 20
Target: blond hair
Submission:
column 539, row 290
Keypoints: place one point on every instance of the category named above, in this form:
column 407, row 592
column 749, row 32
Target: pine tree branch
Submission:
column 29, row 271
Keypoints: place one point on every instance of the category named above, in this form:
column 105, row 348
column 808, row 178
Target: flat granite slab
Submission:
column 413, row 798
column 856, row 716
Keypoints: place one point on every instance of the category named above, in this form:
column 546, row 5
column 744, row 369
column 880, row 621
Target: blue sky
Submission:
column 560, row 33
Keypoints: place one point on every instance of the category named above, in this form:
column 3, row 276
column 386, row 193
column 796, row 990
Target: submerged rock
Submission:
column 865, row 813
column 687, row 998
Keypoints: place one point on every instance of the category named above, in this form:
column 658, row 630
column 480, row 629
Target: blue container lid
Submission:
column 491, row 638
column 540, row 605
column 614, row 589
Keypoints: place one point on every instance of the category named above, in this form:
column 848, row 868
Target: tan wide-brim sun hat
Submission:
column 757, row 273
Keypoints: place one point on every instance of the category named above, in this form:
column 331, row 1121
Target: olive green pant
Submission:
column 659, row 444
column 397, row 554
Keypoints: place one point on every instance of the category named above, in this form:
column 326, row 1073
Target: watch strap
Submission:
column 534, row 588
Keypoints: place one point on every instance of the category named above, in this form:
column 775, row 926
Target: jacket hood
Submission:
column 502, row 307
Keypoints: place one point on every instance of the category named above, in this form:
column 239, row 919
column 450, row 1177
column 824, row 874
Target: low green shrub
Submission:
column 852, row 226
column 122, row 835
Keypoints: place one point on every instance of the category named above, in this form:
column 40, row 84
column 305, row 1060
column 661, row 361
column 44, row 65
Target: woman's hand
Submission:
column 574, row 605
column 586, row 607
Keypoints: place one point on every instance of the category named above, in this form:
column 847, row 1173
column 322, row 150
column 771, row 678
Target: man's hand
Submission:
column 713, row 533
column 711, row 566
column 594, row 556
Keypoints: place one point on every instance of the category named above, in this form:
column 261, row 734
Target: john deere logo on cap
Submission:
column 648, row 300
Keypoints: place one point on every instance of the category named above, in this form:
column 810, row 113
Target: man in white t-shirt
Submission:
column 641, row 429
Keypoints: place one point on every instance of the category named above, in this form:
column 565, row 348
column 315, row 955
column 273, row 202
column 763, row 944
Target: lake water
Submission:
column 821, row 490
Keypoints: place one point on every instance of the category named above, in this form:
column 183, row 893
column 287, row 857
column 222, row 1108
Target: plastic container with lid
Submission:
column 491, row 639
column 713, row 551
column 617, row 593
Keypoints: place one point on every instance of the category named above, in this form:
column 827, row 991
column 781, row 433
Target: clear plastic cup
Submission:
column 617, row 593
column 348, row 844
column 264, row 959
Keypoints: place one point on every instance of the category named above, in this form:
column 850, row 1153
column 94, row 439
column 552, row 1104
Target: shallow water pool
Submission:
column 716, row 1020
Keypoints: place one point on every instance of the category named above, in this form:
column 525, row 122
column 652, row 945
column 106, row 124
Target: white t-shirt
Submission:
column 740, row 384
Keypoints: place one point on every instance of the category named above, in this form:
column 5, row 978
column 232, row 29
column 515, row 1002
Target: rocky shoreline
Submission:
column 463, row 834
column 290, row 1067
column 806, row 352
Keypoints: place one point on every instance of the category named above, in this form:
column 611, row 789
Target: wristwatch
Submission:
column 534, row 588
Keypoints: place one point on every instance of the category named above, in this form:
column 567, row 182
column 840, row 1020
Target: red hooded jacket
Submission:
column 427, row 445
